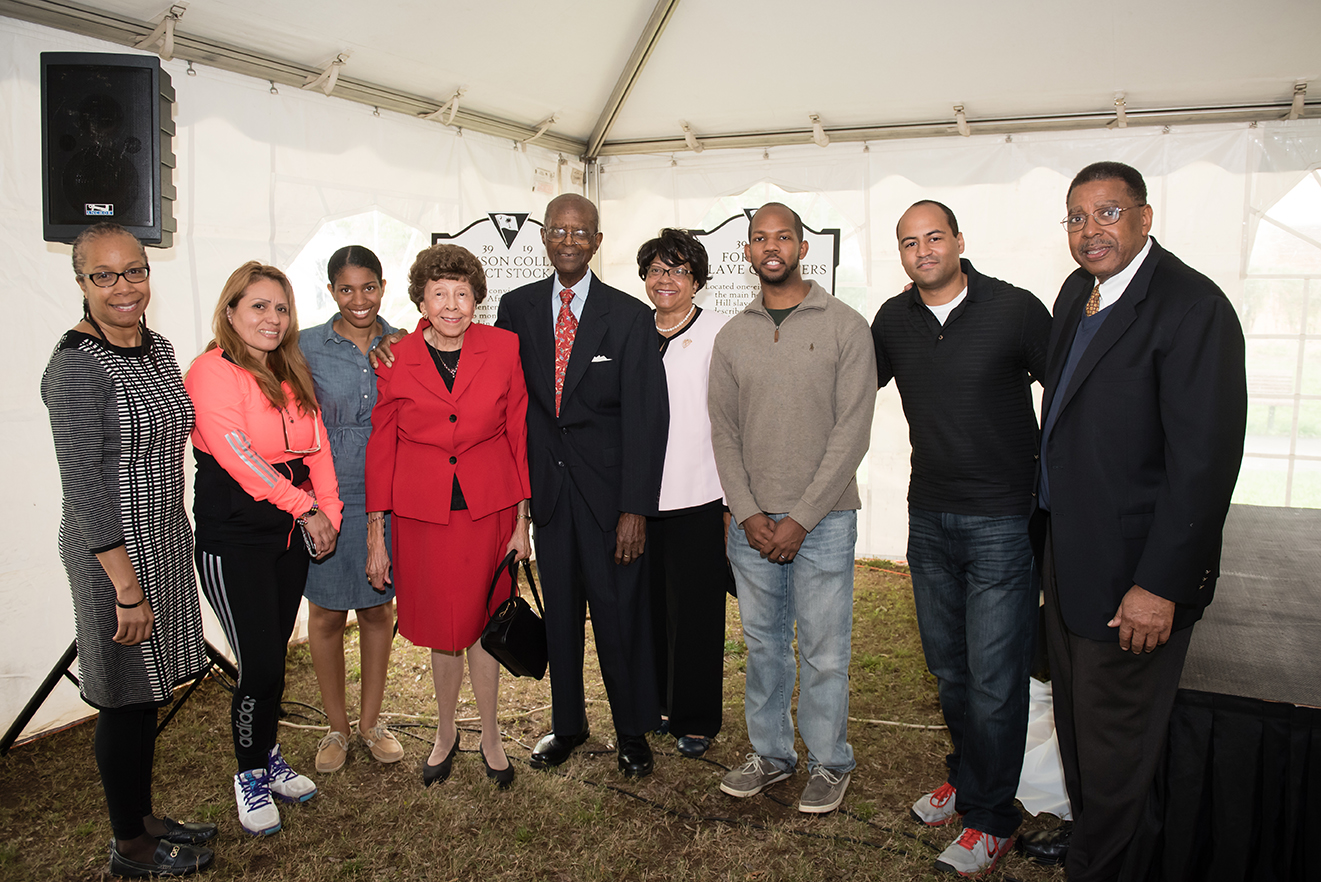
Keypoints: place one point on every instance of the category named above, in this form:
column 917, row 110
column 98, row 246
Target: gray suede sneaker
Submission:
column 752, row 777
column 824, row 791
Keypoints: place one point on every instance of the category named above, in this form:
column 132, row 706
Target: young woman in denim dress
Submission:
column 346, row 388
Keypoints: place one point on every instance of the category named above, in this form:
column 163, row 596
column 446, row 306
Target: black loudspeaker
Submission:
column 107, row 145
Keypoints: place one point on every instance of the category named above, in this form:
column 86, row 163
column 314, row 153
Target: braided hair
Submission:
column 103, row 230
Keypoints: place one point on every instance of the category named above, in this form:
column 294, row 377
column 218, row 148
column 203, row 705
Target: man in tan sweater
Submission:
column 793, row 387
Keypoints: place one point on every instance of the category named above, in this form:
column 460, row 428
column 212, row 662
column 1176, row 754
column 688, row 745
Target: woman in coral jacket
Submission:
column 266, row 499
column 448, row 458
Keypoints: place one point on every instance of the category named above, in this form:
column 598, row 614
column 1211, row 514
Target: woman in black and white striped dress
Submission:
column 121, row 418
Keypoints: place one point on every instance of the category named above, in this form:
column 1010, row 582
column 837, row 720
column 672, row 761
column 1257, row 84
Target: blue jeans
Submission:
column 815, row 589
column 975, row 586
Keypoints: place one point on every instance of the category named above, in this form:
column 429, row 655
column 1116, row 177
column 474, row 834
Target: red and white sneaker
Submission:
column 974, row 853
column 935, row 808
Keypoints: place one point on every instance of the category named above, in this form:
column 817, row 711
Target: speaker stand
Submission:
column 61, row 669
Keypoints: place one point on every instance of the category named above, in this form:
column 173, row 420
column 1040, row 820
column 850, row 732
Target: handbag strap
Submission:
column 511, row 566
column 532, row 583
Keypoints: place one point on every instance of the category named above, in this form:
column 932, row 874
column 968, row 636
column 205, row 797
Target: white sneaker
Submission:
column 257, row 813
column 285, row 782
column 974, row 853
column 936, row 807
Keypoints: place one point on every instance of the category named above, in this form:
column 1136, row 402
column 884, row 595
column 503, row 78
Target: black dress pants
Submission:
column 576, row 560
column 1112, row 715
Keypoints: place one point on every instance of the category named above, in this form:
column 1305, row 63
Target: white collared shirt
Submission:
column 575, row 305
column 1114, row 287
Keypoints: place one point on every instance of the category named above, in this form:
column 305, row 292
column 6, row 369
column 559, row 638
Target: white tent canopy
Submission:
column 278, row 176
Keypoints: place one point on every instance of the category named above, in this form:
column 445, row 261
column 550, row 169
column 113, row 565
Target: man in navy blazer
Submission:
column 1144, row 414
column 595, row 452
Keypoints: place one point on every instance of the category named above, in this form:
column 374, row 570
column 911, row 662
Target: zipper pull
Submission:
column 777, row 335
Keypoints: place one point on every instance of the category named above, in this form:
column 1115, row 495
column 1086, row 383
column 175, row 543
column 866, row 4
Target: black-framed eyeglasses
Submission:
column 1106, row 217
column 134, row 275
column 674, row 272
column 559, row 234
column 285, row 420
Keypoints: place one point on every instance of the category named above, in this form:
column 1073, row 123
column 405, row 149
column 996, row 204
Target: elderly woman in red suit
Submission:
column 448, row 458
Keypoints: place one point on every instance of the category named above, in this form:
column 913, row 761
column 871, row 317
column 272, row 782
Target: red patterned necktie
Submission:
column 565, row 327
column 1094, row 302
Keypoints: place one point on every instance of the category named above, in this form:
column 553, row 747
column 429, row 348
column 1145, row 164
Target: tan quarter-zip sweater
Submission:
column 791, row 412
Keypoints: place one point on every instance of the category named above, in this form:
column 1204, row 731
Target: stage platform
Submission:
column 1240, row 798
column 1260, row 635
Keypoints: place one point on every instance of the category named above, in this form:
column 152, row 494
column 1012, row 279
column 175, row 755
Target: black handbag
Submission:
column 515, row 636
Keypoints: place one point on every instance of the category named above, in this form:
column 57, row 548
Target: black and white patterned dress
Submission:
column 121, row 418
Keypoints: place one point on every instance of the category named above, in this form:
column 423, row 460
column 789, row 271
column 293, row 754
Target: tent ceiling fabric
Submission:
column 738, row 69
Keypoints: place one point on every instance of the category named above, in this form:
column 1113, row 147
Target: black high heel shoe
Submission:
column 503, row 778
column 441, row 770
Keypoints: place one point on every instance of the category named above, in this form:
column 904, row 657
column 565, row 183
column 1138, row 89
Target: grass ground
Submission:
column 581, row 823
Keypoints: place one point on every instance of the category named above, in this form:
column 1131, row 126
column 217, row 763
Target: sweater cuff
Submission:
column 806, row 516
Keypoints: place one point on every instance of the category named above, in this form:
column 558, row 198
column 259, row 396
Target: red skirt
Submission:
column 441, row 575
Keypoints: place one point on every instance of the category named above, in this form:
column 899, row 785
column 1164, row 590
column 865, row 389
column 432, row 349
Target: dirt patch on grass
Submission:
column 581, row 823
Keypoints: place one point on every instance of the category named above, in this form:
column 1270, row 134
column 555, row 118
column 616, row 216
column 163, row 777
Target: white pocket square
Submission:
column 599, row 358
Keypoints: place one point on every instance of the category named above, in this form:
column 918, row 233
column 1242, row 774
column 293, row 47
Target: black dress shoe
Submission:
column 183, row 833
column 553, row 750
column 503, row 778
column 441, row 770
column 694, row 745
column 635, row 759
column 170, row 859
column 1049, row 847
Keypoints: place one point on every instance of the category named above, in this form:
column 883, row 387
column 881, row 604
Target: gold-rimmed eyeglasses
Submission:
column 1106, row 217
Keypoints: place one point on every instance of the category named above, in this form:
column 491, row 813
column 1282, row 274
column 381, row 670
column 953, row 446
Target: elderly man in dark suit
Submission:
column 597, row 420
column 1144, row 414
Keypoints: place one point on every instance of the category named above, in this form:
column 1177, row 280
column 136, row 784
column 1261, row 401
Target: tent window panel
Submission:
column 1262, row 482
column 1305, row 490
column 1271, row 306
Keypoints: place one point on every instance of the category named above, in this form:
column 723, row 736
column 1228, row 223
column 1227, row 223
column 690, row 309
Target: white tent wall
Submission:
column 257, row 176
column 259, row 173
column 1207, row 185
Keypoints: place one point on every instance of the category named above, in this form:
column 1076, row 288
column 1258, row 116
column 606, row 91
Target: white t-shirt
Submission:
column 942, row 312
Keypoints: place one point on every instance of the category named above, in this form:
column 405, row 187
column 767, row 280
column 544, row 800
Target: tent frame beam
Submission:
column 1247, row 113
column 84, row 20
column 125, row 31
column 660, row 17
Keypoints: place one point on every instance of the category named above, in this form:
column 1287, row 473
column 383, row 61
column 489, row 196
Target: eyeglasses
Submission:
column 674, row 272
column 284, row 426
column 1105, row 217
column 134, row 275
column 559, row 234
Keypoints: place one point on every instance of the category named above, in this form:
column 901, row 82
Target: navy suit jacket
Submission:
column 609, row 437
column 1147, row 444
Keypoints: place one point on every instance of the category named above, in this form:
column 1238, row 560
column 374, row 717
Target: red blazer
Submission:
column 423, row 434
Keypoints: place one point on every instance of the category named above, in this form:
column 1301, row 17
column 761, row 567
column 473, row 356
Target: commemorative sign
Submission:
column 509, row 246
column 733, row 283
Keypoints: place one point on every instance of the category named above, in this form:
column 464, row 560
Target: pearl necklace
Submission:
column 681, row 323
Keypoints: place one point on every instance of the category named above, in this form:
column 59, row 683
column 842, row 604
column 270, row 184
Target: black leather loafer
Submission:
column 170, row 859
column 635, row 759
column 553, row 749
column 694, row 745
column 184, row 833
column 1048, row 847
column 441, row 770
column 503, row 778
